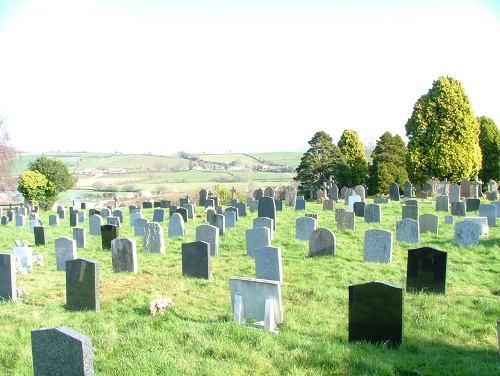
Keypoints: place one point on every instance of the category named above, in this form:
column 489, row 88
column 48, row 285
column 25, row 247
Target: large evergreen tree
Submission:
column 489, row 141
column 443, row 135
column 388, row 164
column 354, row 153
column 321, row 161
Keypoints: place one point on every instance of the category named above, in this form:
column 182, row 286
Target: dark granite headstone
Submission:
column 82, row 285
column 279, row 204
column 242, row 209
column 40, row 235
column 394, row 191
column 73, row 217
column 426, row 270
column 267, row 208
column 472, row 204
column 458, row 209
column 196, row 259
column 184, row 213
column 147, row 205
column 7, row 277
column 124, row 255
column 108, row 233
column 61, row 351
column 376, row 313
column 359, row 209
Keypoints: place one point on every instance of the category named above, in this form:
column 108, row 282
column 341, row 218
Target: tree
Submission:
column 489, row 142
column 321, row 161
column 57, row 174
column 35, row 187
column 8, row 155
column 354, row 153
column 443, row 135
column 388, row 164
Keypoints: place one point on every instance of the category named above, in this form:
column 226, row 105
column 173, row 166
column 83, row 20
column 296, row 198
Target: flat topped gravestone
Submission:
column 256, row 299
column 376, row 313
column 82, row 285
column 426, row 270
column 378, row 246
column 7, row 277
column 268, row 264
column 209, row 234
column 256, row 238
column 124, row 255
column 61, row 351
column 196, row 259
column 267, row 208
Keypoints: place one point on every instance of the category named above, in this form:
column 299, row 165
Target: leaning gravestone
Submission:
column 267, row 208
column 256, row 300
column 256, row 238
column 196, row 259
column 304, row 227
column 376, row 313
column 154, row 240
column 124, row 255
column 426, row 270
column 7, row 277
column 407, row 231
column 378, row 246
column 82, row 285
column 467, row 233
column 268, row 264
column 65, row 250
column 321, row 242
column 210, row 235
column 394, row 191
column 61, row 351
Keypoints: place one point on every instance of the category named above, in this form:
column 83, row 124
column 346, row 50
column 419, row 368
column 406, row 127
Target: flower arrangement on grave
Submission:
column 38, row 259
column 160, row 306
column 19, row 266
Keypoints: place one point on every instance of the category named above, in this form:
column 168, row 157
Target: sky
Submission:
column 222, row 76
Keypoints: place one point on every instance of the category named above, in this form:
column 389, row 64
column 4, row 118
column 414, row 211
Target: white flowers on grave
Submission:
column 160, row 306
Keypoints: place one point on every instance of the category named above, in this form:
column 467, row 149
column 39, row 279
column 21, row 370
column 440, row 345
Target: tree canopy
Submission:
column 489, row 142
column 354, row 153
column 443, row 135
column 35, row 187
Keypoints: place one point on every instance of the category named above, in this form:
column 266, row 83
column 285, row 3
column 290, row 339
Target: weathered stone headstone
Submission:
column 304, row 227
column 328, row 205
column 268, row 264
column 229, row 218
column 407, row 231
column 264, row 222
column 346, row 221
column 34, row 223
column 158, row 215
column 176, row 226
column 267, row 208
column 5, row 220
column 256, row 238
column 333, row 193
column 196, row 259
column 373, row 213
column 409, row 211
column 153, row 240
column 118, row 213
column 481, row 221
column 376, row 313
column 322, row 242
column 7, row 277
column 82, row 285
column 442, row 203
column 25, row 255
column 465, row 188
column 108, row 233
column 20, row 220
column 139, row 226
column 343, row 192
column 95, row 224
column 300, row 203
column 426, row 270
column 290, row 195
column 458, row 209
column 476, row 185
column 429, row 223
column 210, row 235
column 124, row 255
column 65, row 250
column 466, row 233
column 79, row 237
column 490, row 212
column 378, row 246
column 455, row 194
column 408, row 189
column 449, row 220
column 380, row 200
column 133, row 216
column 394, row 192
column 61, row 351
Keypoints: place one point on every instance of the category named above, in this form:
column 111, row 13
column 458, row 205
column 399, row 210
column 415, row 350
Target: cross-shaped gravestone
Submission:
column 233, row 191
column 475, row 184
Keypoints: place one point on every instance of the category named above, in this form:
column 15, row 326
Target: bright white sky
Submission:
column 164, row 76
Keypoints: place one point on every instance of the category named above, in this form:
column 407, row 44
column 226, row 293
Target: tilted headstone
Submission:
column 108, row 233
column 426, row 270
column 322, row 242
column 407, row 231
column 267, row 208
column 65, row 250
column 82, row 285
column 256, row 238
column 196, row 259
column 176, row 226
column 304, row 227
column 268, row 264
column 373, row 213
column 429, row 223
column 378, row 246
column 153, row 240
column 7, row 277
column 61, row 351
column 210, row 235
column 124, row 255
column 466, row 233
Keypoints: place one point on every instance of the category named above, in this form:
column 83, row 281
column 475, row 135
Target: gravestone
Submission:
column 333, row 193
column 394, row 191
column 426, row 270
column 40, row 235
column 133, row 217
column 359, row 209
column 458, row 209
column 267, row 208
column 373, row 213
column 196, row 259
column 454, row 194
column 61, row 212
column 25, row 255
column 264, row 222
column 328, row 205
column 482, row 222
column 442, row 203
column 153, row 240
column 229, row 218
column 300, row 203
column 202, row 197
column 242, row 209
column 409, row 211
column 360, row 191
column 472, row 204
column 147, row 205
column 350, row 192
column 139, row 226
column 73, row 218
column 210, row 235
column 81, row 217
column 61, row 351
column 465, row 188
column 290, row 195
column 279, row 204
column 124, row 255
column 412, row 202
column 5, row 220
column 429, row 223
column 407, row 231
column 268, row 263
column 158, row 215
column 378, row 246
column 105, row 212
column 183, row 212
column 346, row 221
column 322, row 242
column 108, row 233
column 256, row 299
column 304, row 227
column 34, row 223
column 351, row 200
column 258, row 193
column 165, row 204
column 466, row 233
column 338, row 213
column 95, row 224
column 449, row 220
column 79, row 237
column 343, row 192
column 65, row 250
column 115, row 221
column 176, row 226
column 82, row 285
column 380, row 200
column 7, row 277
column 268, row 192
column 408, row 189
column 490, row 212
column 476, row 185
column 219, row 221
column 376, row 313
column 256, row 238
column 20, row 220
column 118, row 213
column 190, row 208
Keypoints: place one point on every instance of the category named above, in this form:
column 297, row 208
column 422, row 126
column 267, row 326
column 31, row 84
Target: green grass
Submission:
column 453, row 334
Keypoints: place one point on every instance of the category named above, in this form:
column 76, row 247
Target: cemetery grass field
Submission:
column 452, row 334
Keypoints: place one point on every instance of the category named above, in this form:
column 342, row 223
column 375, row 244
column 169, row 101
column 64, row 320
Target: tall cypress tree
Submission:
column 489, row 141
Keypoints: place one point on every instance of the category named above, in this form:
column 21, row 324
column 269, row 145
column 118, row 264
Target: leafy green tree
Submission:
column 489, row 142
column 57, row 174
column 354, row 153
column 35, row 187
column 8, row 155
column 321, row 161
column 388, row 164
column 443, row 135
